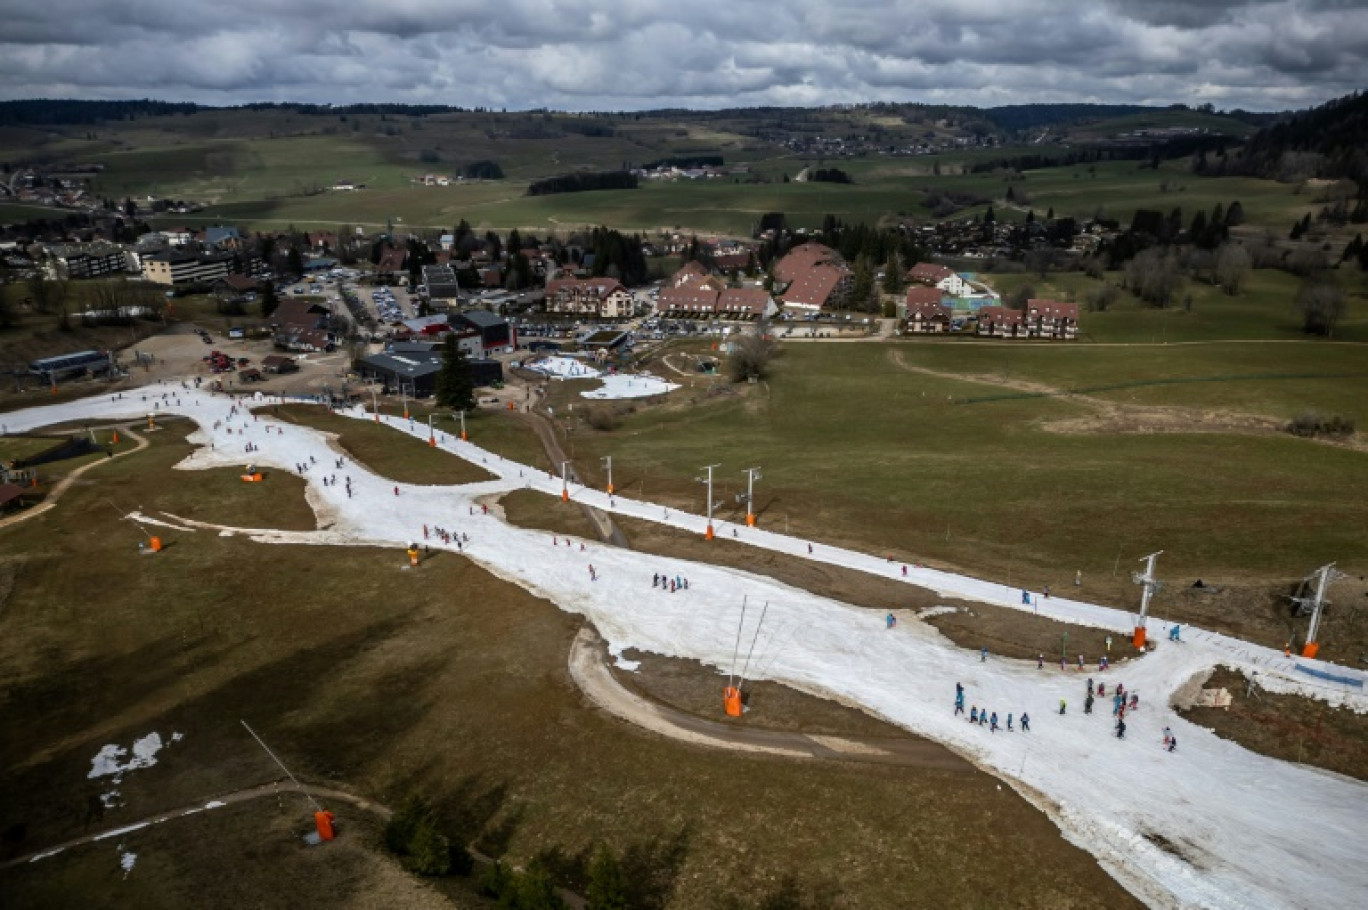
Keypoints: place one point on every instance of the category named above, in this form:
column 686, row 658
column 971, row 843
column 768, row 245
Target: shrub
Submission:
column 604, row 418
column 1310, row 424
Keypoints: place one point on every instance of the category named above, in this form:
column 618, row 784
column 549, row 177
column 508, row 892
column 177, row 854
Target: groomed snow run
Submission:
column 630, row 385
column 615, row 385
column 1238, row 830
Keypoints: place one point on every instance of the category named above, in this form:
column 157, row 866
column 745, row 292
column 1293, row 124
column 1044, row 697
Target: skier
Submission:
column 655, row 580
column 890, row 621
column 1025, row 597
column 1047, row 592
column 1135, row 701
column 959, row 690
column 1080, row 663
column 959, row 705
column 1025, row 722
column 983, row 654
column 396, row 491
column 1120, row 729
column 992, row 723
column 1090, row 685
column 1040, row 661
column 1173, row 633
column 983, row 717
column 1087, row 704
column 904, row 571
column 1009, row 724
column 1101, row 689
column 1172, row 743
column 973, row 714
column 1062, row 706
column 809, row 549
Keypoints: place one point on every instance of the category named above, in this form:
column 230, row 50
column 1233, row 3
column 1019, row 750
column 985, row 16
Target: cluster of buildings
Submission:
column 939, row 300
column 694, row 293
column 409, row 365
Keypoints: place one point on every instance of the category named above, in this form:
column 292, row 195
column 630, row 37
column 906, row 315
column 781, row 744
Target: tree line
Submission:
column 578, row 183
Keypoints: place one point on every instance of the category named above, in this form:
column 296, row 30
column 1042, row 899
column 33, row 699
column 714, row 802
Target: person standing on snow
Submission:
column 983, row 654
column 959, row 704
column 1025, row 722
column 1120, row 729
column 1009, row 724
column 992, row 723
column 973, row 714
column 1087, row 704
column 890, row 621
column 1062, row 706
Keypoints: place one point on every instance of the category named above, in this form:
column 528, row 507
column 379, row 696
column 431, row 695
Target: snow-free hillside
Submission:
column 1241, row 830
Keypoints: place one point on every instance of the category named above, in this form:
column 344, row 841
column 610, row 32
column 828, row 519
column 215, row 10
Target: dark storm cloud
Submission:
column 579, row 54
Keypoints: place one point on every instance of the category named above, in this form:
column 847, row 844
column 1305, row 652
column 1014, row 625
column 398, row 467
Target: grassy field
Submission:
column 889, row 187
column 445, row 681
column 856, row 449
column 398, row 458
column 1263, row 310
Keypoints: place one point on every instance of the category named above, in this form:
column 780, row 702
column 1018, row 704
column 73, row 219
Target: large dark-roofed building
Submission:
column 414, row 373
column 495, row 332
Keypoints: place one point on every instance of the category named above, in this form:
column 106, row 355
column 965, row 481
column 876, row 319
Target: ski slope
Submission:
column 1239, row 830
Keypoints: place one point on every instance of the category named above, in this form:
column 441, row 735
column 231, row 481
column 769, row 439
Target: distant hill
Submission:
column 1330, row 141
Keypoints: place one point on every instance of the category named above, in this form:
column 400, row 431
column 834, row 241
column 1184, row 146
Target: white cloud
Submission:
column 592, row 54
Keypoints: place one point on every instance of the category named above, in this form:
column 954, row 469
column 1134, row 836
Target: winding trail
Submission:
column 55, row 494
column 590, row 672
column 218, row 802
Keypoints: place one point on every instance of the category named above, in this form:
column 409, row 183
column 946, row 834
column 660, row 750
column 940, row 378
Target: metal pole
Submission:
column 282, row 766
column 752, row 474
column 565, row 482
column 709, row 533
column 1322, row 582
column 608, row 460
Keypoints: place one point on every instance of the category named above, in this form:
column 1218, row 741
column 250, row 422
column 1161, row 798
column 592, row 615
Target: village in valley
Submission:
column 750, row 504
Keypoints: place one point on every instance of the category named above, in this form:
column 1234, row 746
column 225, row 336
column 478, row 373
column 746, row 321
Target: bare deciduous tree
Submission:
column 1232, row 266
column 752, row 354
column 1321, row 304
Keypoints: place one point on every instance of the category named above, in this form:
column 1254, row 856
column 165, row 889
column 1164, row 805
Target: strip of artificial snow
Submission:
column 562, row 368
column 630, row 385
column 1252, row 832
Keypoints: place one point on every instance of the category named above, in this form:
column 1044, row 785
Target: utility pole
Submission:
column 608, row 465
column 752, row 475
column 463, row 429
column 1148, row 585
column 565, row 482
column 709, row 533
column 1315, row 605
column 432, row 434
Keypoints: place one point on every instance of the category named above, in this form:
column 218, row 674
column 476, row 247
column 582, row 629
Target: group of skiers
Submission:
column 984, row 718
column 446, row 537
column 678, row 583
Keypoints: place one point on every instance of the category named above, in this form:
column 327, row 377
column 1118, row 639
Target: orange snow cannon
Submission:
column 731, row 701
column 324, row 820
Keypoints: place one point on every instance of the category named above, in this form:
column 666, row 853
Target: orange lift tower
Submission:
column 1149, row 586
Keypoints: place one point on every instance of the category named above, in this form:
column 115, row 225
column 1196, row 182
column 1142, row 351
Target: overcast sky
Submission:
column 634, row 54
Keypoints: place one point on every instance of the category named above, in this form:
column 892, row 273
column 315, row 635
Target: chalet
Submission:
column 302, row 325
column 746, row 303
column 1051, row 318
column 938, row 276
column 604, row 297
column 814, row 278
column 1002, row 322
column 391, row 264
column 275, row 363
column 925, row 312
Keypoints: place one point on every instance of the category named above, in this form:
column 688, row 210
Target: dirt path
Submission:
column 1118, row 417
column 325, row 794
column 608, row 531
column 55, row 494
column 591, row 674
